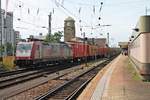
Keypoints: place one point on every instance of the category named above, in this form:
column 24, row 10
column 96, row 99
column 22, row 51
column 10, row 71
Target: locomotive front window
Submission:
column 24, row 47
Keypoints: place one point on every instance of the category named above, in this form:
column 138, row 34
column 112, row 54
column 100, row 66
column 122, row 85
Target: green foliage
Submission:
column 54, row 37
column 9, row 49
column 1, row 51
column 2, row 48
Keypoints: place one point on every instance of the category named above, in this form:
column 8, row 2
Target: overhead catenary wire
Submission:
column 29, row 5
column 97, row 5
column 79, row 18
column 66, row 12
column 72, row 14
column 53, row 11
column 28, row 28
column 120, row 3
column 59, row 5
column 29, row 11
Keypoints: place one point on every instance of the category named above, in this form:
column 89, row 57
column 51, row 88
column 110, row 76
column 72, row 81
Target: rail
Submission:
column 72, row 88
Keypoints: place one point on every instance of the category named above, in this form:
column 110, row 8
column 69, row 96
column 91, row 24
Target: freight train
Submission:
column 38, row 52
column 139, row 48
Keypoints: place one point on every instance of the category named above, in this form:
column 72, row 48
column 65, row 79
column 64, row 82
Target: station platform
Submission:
column 117, row 81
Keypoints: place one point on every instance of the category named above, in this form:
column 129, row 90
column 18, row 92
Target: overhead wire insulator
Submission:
column 19, row 19
column 94, row 9
column 53, row 10
column 20, row 5
column 99, row 18
column 80, row 21
column 79, row 10
column 62, row 2
column 101, row 7
column 81, row 29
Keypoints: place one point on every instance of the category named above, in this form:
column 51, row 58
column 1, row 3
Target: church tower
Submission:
column 69, row 29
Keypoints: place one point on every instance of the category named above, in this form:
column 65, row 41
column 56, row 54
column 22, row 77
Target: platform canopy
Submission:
column 123, row 45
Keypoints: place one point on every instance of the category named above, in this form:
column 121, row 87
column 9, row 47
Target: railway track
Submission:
column 25, row 76
column 20, row 76
column 15, row 72
column 70, row 89
column 47, row 75
column 8, row 73
column 51, row 81
column 22, row 70
column 11, row 78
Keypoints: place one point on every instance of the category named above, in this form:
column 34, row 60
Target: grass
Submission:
column 134, row 73
column 7, row 68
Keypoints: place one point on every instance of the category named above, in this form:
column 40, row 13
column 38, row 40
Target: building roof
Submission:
column 37, row 38
column 123, row 44
column 69, row 19
column 40, row 37
column 77, row 39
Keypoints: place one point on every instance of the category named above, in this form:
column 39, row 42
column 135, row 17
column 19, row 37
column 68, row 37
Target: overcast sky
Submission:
column 122, row 15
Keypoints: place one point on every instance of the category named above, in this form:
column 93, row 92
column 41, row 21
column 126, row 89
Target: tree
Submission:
column 1, row 50
column 9, row 49
column 56, row 37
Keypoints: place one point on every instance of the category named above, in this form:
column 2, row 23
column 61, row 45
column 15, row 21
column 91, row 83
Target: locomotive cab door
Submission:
column 40, row 51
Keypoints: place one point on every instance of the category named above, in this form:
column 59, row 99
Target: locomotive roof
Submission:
column 24, row 42
column 57, row 43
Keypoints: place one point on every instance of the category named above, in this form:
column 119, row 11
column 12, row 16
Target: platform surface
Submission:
column 118, row 81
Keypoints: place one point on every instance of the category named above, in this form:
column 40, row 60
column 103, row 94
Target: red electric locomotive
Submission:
column 38, row 52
